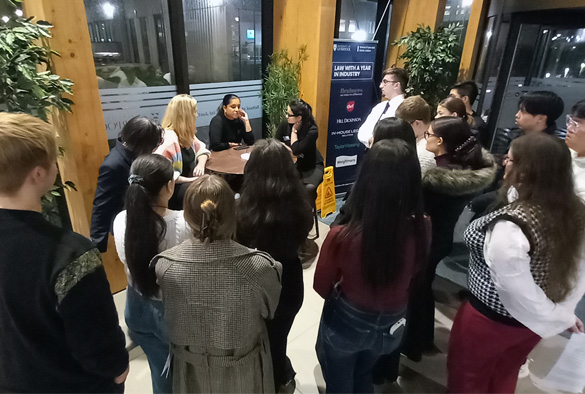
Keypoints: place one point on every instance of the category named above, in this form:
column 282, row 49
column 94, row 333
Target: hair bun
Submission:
column 208, row 207
column 208, row 218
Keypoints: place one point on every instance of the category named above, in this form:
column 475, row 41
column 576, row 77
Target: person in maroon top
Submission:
column 366, row 266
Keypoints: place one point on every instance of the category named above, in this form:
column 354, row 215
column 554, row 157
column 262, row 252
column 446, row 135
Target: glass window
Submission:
column 126, row 41
column 224, row 40
column 357, row 17
column 133, row 59
column 545, row 58
column 458, row 11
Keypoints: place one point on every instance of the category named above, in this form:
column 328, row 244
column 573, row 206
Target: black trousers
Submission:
column 291, row 300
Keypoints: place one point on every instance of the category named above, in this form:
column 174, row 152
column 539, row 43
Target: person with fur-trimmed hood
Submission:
column 463, row 171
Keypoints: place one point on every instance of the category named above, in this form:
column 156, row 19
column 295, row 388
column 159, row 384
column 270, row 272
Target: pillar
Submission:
column 310, row 23
column 82, row 133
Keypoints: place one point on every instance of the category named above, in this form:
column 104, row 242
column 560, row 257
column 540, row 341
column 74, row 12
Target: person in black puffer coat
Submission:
column 463, row 171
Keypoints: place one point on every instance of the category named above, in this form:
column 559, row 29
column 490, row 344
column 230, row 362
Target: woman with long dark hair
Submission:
column 386, row 129
column 463, row 170
column 394, row 128
column 526, row 271
column 139, row 136
column 217, row 296
column 274, row 215
column 144, row 229
column 365, row 267
column 299, row 132
column 230, row 126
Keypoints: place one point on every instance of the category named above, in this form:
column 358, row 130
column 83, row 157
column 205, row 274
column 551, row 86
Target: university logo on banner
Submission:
column 353, row 95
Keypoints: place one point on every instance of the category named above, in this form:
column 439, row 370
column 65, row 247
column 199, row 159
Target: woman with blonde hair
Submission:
column 217, row 295
column 180, row 145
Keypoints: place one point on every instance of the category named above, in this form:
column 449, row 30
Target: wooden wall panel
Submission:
column 472, row 39
column 83, row 132
column 311, row 23
column 406, row 16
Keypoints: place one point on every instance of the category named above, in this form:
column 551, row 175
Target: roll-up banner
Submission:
column 353, row 95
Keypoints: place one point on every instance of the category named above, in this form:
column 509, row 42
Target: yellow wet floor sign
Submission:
column 326, row 194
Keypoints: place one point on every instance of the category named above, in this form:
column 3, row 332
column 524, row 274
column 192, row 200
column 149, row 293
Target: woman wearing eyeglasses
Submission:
column 299, row 132
column 576, row 142
column 463, row 170
column 526, row 270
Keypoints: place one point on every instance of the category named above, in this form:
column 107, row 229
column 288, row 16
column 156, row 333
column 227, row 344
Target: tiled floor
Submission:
column 427, row 376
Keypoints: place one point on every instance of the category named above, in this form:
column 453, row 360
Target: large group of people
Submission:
column 214, row 277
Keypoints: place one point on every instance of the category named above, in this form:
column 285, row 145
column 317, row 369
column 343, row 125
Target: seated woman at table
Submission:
column 181, row 146
column 299, row 132
column 230, row 126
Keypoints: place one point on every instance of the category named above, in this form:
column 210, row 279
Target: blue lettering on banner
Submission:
column 353, row 95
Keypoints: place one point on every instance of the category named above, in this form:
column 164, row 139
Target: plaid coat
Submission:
column 216, row 297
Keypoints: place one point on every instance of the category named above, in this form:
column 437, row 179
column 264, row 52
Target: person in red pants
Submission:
column 526, row 273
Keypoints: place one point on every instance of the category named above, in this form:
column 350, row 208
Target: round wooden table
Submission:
column 228, row 161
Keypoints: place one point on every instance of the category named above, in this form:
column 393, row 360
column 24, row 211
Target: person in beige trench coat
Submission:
column 216, row 295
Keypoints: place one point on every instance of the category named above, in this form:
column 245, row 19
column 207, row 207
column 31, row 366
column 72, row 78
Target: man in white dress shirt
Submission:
column 576, row 142
column 393, row 85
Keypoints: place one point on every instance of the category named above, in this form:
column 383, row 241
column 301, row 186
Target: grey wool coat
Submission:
column 216, row 297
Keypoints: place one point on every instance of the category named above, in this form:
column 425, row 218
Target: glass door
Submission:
column 545, row 57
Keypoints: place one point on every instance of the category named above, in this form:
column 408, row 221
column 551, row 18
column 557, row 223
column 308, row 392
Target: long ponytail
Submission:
column 144, row 227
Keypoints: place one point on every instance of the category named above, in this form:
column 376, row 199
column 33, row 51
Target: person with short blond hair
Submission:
column 217, row 295
column 416, row 111
column 181, row 146
column 59, row 325
column 26, row 143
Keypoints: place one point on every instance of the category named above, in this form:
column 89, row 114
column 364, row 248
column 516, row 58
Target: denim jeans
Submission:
column 146, row 326
column 351, row 340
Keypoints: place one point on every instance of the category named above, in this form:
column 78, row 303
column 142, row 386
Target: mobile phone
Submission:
column 241, row 147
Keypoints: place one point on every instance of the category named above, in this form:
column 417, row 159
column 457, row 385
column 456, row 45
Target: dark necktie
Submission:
column 385, row 109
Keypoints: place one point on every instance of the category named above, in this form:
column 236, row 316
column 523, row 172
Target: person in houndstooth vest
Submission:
column 527, row 269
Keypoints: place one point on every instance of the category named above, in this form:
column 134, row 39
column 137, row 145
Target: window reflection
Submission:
column 357, row 17
column 224, row 40
column 458, row 11
column 130, row 42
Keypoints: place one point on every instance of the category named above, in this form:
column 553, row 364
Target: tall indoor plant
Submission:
column 281, row 84
column 27, row 83
column 432, row 59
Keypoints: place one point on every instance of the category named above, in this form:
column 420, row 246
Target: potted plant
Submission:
column 281, row 85
column 28, row 85
column 431, row 60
